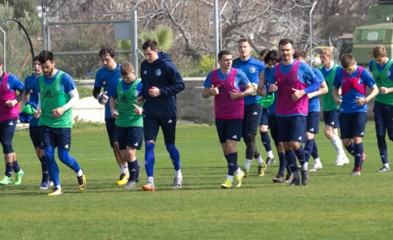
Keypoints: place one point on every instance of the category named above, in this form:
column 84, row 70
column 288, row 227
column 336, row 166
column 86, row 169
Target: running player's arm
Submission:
column 208, row 88
column 323, row 89
column 261, row 84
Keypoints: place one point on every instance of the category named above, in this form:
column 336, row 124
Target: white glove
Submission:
column 102, row 98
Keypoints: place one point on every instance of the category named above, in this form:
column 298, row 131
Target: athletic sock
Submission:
column 149, row 159
column 358, row 149
column 15, row 166
column 247, row 163
column 260, row 160
column 350, row 149
column 283, row 162
column 337, row 144
column 270, row 154
column 232, row 159
column 266, row 141
column 383, row 151
column 132, row 167
column 174, row 155
column 8, row 169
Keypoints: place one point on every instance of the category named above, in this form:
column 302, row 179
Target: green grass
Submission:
column 335, row 205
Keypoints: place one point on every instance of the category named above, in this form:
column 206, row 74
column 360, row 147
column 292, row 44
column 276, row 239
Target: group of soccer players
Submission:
column 279, row 91
column 289, row 90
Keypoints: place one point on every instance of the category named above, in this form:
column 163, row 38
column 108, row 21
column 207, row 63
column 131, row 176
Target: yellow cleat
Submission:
column 261, row 169
column 227, row 184
column 123, row 179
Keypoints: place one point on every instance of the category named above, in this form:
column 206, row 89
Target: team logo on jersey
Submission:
column 8, row 86
column 48, row 94
column 158, row 72
column 136, row 93
column 124, row 99
column 104, row 82
column 145, row 72
column 252, row 69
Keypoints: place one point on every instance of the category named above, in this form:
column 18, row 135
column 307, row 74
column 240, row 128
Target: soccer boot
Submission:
column 238, row 179
column 44, row 185
column 317, row 166
column 130, row 185
column 295, row 182
column 246, row 172
column 227, row 184
column 18, row 177
column 56, row 192
column 81, row 182
column 342, row 160
column 270, row 161
column 149, row 187
column 279, row 178
column 384, row 169
column 123, row 179
column 177, row 183
column 305, row 177
column 261, row 169
column 6, row 180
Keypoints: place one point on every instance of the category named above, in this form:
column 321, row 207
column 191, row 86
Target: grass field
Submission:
column 335, row 205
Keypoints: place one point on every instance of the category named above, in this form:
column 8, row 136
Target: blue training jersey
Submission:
column 31, row 87
column 252, row 68
column 348, row 104
column 313, row 103
column 108, row 79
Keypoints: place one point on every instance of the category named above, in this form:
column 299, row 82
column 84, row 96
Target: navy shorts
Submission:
column 313, row 122
column 252, row 116
column 352, row 124
column 291, row 129
column 383, row 116
column 331, row 118
column 264, row 117
column 229, row 129
column 151, row 126
column 273, row 127
column 110, row 130
column 129, row 137
column 56, row 137
column 35, row 137
column 7, row 131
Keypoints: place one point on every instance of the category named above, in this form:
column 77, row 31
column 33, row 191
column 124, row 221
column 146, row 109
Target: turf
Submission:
column 335, row 205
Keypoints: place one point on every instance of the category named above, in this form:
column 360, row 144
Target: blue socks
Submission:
column 174, row 155
column 149, row 159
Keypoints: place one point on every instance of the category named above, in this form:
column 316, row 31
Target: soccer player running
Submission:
column 310, row 148
column 30, row 96
column 9, row 110
column 382, row 68
column 253, row 68
column 330, row 108
column 225, row 85
column 58, row 94
column 293, row 80
column 129, row 121
column 271, row 59
column 353, row 80
column 161, row 82
column 107, row 78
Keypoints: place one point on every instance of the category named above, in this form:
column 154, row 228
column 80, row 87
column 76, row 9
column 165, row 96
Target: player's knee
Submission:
column 7, row 148
column 249, row 138
column 62, row 154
